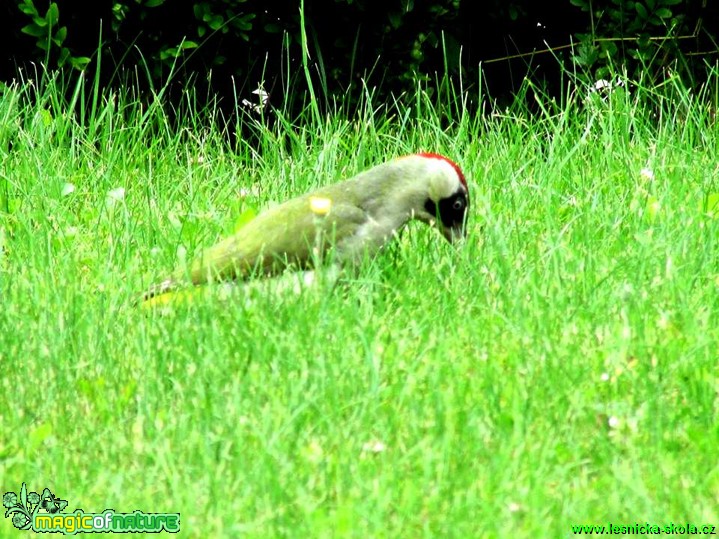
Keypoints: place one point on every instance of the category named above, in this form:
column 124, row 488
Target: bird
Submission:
column 353, row 219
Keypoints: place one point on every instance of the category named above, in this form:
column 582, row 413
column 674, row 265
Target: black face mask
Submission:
column 450, row 211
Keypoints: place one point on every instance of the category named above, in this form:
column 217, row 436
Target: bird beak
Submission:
column 454, row 234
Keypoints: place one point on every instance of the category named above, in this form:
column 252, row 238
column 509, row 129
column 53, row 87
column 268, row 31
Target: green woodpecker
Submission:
column 354, row 218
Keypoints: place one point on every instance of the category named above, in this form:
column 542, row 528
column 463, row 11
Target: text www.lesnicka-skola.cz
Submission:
column 645, row 529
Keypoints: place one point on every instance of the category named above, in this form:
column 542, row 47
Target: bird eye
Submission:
column 458, row 204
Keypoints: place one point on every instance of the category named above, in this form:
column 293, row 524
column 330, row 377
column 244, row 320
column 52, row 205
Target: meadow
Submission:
column 558, row 369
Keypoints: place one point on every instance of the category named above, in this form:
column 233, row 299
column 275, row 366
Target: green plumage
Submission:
column 283, row 236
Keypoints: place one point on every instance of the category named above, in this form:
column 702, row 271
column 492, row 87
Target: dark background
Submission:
column 233, row 46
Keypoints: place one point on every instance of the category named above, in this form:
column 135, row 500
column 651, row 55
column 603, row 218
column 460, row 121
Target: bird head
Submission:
column 447, row 197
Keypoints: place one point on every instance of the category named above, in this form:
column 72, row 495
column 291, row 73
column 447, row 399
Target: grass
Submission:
column 560, row 369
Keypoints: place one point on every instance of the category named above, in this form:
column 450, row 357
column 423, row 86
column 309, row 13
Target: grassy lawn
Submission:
column 560, row 369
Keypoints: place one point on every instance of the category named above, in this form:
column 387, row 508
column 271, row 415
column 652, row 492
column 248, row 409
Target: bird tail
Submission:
column 160, row 294
column 177, row 290
column 171, row 297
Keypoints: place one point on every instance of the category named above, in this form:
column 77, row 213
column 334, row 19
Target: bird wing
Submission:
column 289, row 235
